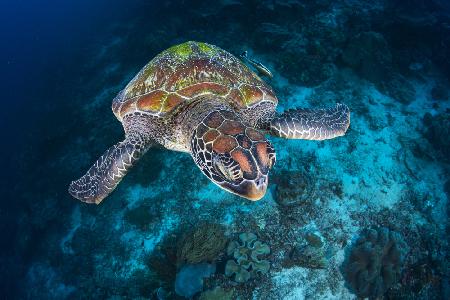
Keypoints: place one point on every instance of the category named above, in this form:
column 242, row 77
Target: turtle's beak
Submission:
column 256, row 189
column 250, row 189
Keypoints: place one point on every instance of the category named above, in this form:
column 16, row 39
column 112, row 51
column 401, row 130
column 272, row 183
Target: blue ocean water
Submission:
column 362, row 215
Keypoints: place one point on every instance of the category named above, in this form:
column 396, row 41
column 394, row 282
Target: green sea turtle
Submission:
column 197, row 98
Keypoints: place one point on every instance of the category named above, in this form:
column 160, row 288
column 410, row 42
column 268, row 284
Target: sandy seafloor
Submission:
column 390, row 170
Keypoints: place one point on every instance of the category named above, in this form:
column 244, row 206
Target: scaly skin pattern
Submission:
column 107, row 172
column 234, row 156
column 311, row 124
column 181, row 73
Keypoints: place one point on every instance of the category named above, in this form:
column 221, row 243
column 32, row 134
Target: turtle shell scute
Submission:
column 188, row 70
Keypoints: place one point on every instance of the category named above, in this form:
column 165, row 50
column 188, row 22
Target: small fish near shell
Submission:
column 262, row 70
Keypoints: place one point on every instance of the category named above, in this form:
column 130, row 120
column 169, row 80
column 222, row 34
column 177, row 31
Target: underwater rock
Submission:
column 246, row 263
column 418, row 279
column 310, row 255
column 337, row 188
column 203, row 244
column 307, row 257
column 438, row 133
column 218, row 293
column 163, row 262
column 421, row 200
column 314, row 240
column 369, row 55
column 397, row 87
column 141, row 282
column 303, row 69
column 303, row 54
column 189, row 280
column 374, row 262
column 294, row 188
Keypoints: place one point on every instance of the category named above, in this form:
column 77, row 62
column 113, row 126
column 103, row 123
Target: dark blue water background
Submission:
column 56, row 57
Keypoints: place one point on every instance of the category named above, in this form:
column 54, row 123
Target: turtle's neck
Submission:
column 194, row 112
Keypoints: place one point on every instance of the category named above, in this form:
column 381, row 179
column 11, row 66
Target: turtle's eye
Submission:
column 272, row 156
column 230, row 171
column 272, row 160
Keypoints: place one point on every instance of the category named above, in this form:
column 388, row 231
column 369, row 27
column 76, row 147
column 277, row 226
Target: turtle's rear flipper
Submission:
column 311, row 124
column 106, row 173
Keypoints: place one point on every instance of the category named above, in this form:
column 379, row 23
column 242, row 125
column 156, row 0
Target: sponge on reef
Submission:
column 374, row 262
column 189, row 280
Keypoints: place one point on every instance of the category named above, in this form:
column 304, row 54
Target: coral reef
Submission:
column 398, row 87
column 368, row 53
column 246, row 263
column 308, row 255
column 203, row 244
column 217, row 293
column 164, row 263
column 189, row 280
column 294, row 188
column 374, row 262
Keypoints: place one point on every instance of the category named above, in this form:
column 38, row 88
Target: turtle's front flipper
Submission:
column 106, row 173
column 311, row 124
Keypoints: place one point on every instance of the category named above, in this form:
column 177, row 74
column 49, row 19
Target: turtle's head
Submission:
column 234, row 156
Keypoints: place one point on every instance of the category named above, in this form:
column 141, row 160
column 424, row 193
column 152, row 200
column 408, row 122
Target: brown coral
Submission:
column 203, row 244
